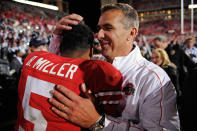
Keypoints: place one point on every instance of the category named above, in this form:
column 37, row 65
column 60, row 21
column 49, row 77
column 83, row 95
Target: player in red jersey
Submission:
column 43, row 70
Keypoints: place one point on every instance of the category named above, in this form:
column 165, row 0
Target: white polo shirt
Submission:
column 153, row 104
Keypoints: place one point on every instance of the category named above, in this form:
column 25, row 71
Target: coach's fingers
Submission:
column 59, row 96
column 87, row 93
column 68, row 93
column 75, row 17
column 72, row 19
column 66, row 22
column 59, row 106
column 59, row 113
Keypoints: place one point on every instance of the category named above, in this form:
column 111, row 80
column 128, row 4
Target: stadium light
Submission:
column 52, row 7
column 192, row 6
column 182, row 16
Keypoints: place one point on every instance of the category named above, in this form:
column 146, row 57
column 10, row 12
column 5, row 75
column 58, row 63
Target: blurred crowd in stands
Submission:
column 157, row 4
column 20, row 32
column 18, row 28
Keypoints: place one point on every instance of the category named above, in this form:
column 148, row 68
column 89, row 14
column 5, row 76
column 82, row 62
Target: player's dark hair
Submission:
column 79, row 37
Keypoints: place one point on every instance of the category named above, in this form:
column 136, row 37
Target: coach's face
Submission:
column 114, row 38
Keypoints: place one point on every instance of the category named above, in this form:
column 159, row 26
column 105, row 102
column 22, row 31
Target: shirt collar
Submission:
column 129, row 60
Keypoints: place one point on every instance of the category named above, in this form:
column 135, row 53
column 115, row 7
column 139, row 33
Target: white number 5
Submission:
column 31, row 114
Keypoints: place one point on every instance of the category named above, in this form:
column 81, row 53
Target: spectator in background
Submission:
column 22, row 46
column 96, row 47
column 178, row 56
column 0, row 50
column 4, row 49
column 160, row 58
column 10, row 38
column 12, row 49
column 145, row 51
column 97, row 55
column 37, row 45
column 16, row 64
column 195, row 42
column 152, row 105
column 190, row 49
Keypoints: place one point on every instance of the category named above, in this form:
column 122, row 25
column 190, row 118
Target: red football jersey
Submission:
column 42, row 71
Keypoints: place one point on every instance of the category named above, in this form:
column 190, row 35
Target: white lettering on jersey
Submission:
column 29, row 62
column 51, row 71
column 62, row 68
column 44, row 69
column 44, row 64
column 39, row 63
column 73, row 68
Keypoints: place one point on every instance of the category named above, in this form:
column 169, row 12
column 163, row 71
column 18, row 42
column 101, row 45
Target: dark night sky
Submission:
column 89, row 9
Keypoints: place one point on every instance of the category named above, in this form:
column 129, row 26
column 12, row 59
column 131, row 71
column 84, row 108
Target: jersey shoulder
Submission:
column 105, row 72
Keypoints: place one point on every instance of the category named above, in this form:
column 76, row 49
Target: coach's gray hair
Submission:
column 131, row 15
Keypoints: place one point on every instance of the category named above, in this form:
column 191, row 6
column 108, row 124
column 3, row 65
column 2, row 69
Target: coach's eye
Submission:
column 108, row 28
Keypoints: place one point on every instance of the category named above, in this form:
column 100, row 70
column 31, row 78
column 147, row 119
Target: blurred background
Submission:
column 22, row 20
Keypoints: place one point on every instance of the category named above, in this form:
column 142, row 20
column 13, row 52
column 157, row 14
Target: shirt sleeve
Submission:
column 55, row 44
column 158, row 112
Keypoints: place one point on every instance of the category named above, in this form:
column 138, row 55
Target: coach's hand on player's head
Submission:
column 65, row 22
column 72, row 107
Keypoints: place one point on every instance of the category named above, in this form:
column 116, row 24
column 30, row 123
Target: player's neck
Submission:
column 76, row 55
